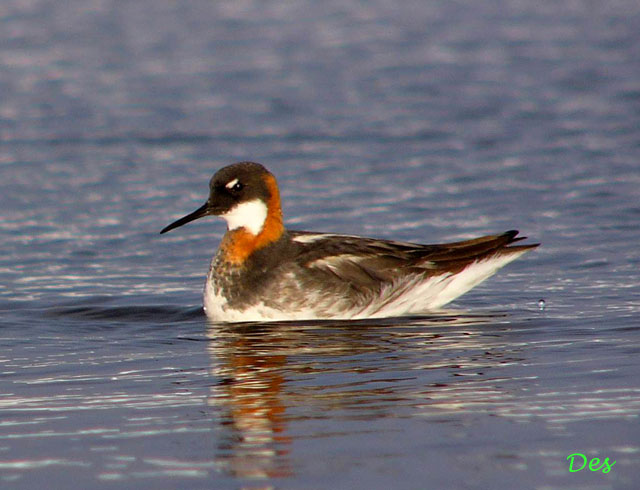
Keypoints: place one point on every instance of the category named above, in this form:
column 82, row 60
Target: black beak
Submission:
column 198, row 213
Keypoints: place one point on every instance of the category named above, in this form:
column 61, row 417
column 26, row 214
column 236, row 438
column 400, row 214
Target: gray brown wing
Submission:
column 367, row 263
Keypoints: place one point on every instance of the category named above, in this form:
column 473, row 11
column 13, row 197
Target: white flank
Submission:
column 410, row 294
column 249, row 215
column 217, row 309
column 413, row 295
column 473, row 275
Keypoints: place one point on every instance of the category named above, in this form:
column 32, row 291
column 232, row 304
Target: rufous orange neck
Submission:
column 239, row 244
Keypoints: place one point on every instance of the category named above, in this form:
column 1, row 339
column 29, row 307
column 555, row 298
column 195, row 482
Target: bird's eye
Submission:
column 235, row 185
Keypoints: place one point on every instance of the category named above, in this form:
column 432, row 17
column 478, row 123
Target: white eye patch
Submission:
column 231, row 183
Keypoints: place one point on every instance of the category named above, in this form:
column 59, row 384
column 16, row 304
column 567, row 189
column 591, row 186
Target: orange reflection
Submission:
column 250, row 396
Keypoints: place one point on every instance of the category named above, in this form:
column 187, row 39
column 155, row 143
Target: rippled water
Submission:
column 416, row 121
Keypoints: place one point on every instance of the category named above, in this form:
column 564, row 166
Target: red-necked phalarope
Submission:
column 262, row 271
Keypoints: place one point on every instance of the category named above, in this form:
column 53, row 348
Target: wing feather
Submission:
column 367, row 262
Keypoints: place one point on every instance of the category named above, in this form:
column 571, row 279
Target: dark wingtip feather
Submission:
column 512, row 234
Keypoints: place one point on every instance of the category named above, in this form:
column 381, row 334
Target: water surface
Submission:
column 422, row 122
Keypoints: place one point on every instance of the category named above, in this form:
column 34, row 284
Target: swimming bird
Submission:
column 262, row 271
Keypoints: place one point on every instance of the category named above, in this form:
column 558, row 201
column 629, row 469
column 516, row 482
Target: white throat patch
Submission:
column 249, row 215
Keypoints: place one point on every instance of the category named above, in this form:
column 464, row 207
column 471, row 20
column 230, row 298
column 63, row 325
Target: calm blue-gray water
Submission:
column 422, row 121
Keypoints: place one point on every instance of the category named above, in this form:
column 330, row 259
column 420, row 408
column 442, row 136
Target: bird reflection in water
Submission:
column 272, row 375
column 249, row 392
